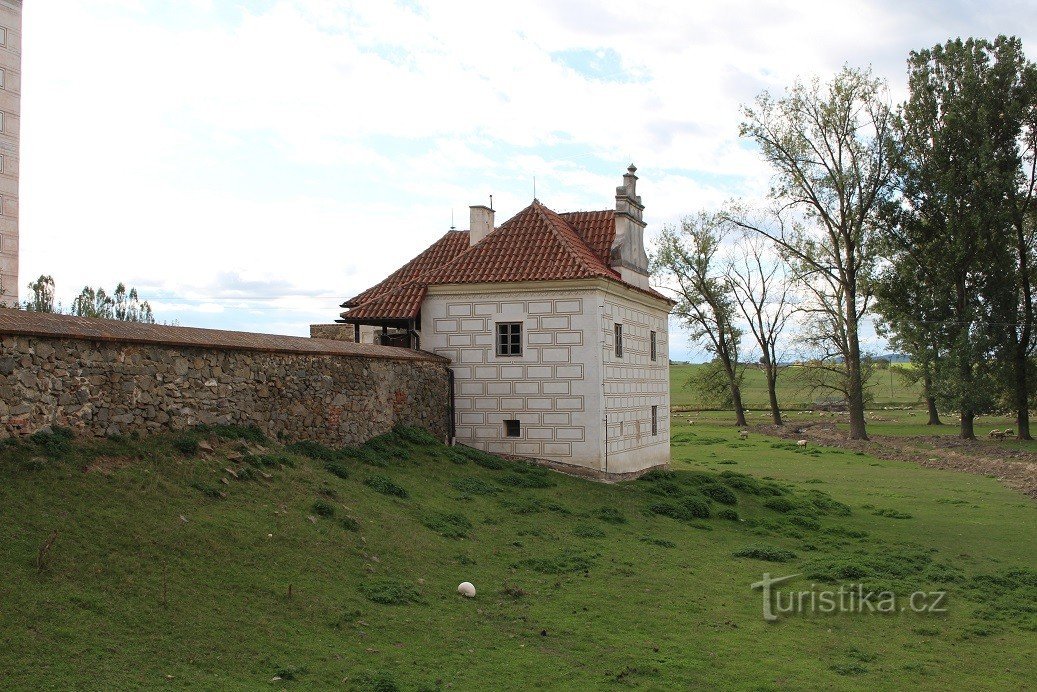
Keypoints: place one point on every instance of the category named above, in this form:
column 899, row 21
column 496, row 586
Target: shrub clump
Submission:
column 611, row 515
column 337, row 468
column 472, row 485
column 417, row 436
column 781, row 504
column 728, row 514
column 448, row 524
column 766, row 553
column 385, row 486
column 188, row 446
column 719, row 493
column 349, row 524
column 689, row 508
column 313, row 450
column 892, row 514
column 323, row 509
column 588, row 531
column 389, row 592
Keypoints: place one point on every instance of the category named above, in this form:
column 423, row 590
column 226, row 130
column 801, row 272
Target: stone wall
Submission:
column 338, row 332
column 102, row 377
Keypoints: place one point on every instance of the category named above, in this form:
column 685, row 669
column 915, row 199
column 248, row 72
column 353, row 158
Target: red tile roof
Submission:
column 597, row 228
column 536, row 244
column 443, row 250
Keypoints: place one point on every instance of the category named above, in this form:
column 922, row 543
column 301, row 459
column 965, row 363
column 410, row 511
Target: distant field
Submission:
column 886, row 386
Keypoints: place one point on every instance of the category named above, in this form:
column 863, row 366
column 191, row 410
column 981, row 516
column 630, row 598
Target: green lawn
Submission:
column 163, row 575
column 887, row 388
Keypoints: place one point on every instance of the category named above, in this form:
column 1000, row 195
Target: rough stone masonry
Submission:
column 103, row 377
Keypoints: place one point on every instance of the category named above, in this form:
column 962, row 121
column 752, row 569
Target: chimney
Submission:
column 628, row 248
column 481, row 223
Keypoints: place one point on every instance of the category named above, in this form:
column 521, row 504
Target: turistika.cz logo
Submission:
column 848, row 598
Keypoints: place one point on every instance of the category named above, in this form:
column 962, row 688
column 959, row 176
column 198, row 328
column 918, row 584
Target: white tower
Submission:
column 10, row 125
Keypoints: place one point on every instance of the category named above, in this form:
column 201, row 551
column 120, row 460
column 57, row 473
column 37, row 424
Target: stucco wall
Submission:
column 553, row 388
column 101, row 377
column 10, row 126
column 634, row 383
column 567, row 380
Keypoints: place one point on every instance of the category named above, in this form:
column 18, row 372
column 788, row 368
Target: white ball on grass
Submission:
column 466, row 589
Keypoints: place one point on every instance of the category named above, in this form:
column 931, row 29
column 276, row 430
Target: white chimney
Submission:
column 481, row 223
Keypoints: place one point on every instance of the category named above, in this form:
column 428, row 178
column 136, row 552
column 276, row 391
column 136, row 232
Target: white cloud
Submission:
column 311, row 147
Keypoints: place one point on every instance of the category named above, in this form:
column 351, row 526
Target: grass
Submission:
column 167, row 569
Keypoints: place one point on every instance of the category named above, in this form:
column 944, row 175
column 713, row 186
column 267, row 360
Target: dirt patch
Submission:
column 1015, row 468
column 107, row 465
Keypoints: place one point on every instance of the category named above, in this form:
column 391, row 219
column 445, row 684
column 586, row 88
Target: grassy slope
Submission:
column 886, row 391
column 602, row 607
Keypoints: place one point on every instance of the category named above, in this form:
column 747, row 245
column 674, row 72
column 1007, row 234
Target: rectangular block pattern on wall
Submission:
column 633, row 382
column 544, row 388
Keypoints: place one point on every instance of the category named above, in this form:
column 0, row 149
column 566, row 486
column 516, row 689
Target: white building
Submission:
column 557, row 342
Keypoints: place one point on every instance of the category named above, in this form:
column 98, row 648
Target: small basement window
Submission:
column 619, row 340
column 655, row 420
column 512, row 428
column 652, row 345
column 509, row 338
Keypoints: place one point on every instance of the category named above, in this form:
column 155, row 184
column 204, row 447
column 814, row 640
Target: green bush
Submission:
column 471, row 485
column 323, row 509
column 527, row 480
column 588, row 531
column 766, row 553
column 349, row 524
column 448, row 524
column 689, row 508
column 389, row 592
column 337, row 468
column 781, row 504
column 385, row 486
column 418, row 436
column 611, row 515
column 313, row 450
column 188, row 446
column 727, row 513
column 720, row 493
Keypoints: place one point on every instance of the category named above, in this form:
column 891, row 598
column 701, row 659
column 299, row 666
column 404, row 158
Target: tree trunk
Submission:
column 736, row 397
column 930, row 400
column 855, row 388
column 968, row 431
column 934, row 415
column 1022, row 388
column 772, row 393
column 1022, row 391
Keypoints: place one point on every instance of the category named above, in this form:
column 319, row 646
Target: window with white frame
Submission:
column 619, row 340
column 652, row 346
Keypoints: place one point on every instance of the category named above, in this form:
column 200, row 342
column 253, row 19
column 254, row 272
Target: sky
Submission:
column 250, row 164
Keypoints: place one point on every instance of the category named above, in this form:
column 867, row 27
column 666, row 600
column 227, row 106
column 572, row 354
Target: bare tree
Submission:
column 830, row 145
column 761, row 288
column 689, row 256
